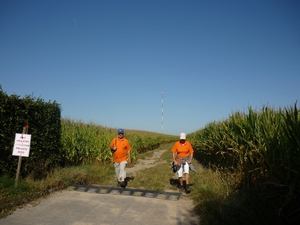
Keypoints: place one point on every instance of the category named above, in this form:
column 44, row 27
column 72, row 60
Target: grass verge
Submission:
column 212, row 192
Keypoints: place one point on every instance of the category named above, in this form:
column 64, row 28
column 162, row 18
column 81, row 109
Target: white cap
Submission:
column 182, row 136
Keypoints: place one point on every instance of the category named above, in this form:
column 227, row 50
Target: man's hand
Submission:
column 113, row 150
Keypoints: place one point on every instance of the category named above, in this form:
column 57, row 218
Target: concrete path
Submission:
column 71, row 207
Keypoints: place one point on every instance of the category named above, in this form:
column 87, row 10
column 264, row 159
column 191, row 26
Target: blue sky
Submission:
column 108, row 62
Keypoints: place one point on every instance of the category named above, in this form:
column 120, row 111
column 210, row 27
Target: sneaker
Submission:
column 187, row 189
column 122, row 184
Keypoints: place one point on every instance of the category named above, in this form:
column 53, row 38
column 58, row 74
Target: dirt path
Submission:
column 146, row 163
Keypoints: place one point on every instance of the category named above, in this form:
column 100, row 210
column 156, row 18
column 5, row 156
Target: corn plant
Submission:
column 263, row 150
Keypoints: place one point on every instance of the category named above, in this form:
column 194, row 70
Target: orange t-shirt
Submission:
column 123, row 146
column 182, row 150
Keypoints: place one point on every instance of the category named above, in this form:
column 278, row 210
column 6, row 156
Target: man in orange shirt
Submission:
column 120, row 148
column 182, row 154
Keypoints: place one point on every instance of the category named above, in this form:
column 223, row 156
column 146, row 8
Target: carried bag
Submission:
column 174, row 167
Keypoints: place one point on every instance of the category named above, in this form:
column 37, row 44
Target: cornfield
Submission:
column 88, row 143
column 261, row 148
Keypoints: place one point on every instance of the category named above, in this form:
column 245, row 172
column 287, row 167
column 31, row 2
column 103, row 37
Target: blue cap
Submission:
column 120, row 131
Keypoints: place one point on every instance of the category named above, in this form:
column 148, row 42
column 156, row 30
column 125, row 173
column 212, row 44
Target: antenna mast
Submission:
column 162, row 112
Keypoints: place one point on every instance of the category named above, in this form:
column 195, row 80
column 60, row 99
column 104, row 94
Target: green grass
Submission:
column 155, row 178
column 213, row 193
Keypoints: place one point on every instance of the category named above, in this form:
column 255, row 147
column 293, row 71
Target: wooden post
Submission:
column 25, row 131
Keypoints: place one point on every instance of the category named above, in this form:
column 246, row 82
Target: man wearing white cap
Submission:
column 182, row 153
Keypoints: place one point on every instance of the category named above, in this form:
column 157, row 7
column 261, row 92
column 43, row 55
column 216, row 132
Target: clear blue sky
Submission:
column 107, row 62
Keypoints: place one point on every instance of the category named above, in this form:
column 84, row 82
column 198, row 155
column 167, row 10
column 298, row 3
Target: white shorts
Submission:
column 184, row 168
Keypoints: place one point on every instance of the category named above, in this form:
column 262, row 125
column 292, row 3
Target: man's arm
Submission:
column 191, row 150
column 174, row 157
column 113, row 145
column 191, row 157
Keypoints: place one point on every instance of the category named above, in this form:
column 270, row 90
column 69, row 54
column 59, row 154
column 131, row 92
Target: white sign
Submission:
column 22, row 145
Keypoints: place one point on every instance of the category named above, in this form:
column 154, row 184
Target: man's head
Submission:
column 120, row 133
column 182, row 137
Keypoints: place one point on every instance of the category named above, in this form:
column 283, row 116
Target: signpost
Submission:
column 21, row 148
